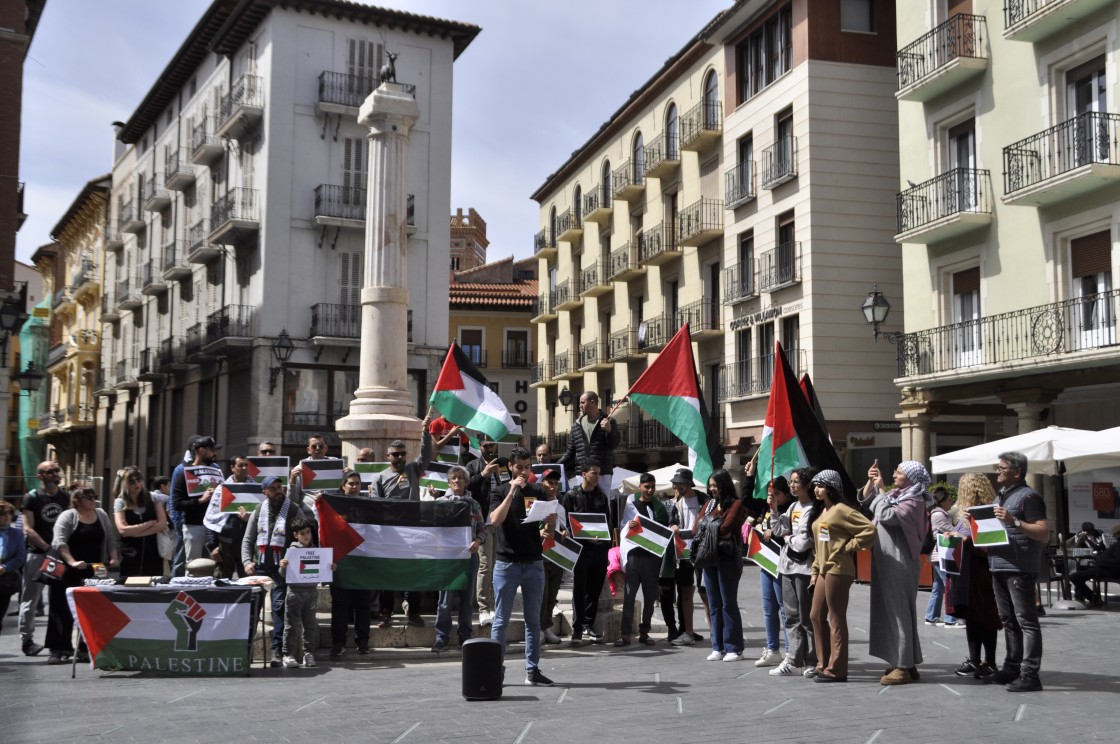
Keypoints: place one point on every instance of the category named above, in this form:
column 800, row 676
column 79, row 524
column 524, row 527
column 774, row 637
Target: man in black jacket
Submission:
column 486, row 473
column 594, row 434
column 591, row 568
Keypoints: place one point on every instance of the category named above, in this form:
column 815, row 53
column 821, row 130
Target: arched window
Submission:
column 608, row 185
column 639, row 158
column 553, row 227
column 577, row 207
column 672, row 132
column 711, row 101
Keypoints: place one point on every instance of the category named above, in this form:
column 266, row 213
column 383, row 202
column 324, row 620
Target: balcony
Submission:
column 84, row 341
column 125, row 378
column 739, row 184
column 942, row 59
column 129, row 218
column 206, row 146
column 645, row 435
column 780, row 267
column 340, row 93
column 128, row 298
column 514, row 358
column 702, row 126
column 476, row 355
column 569, row 225
column 952, row 204
column 739, row 283
column 84, row 281
column 544, row 310
column 544, row 245
column 700, row 222
column 335, row 323
column 594, row 281
column 1066, row 161
column 194, row 342
column 340, row 206
column 702, row 317
column 109, row 311
column 81, row 416
column 55, row 355
column 629, row 181
column 1034, row 20
column 657, row 245
column 597, row 206
column 654, row 333
column 114, row 240
column 540, row 375
column 779, row 162
column 564, row 297
column 234, row 216
column 748, row 378
column 149, row 366
column 152, row 281
column 564, row 367
column 50, row 422
column 178, row 171
column 172, row 356
column 663, row 157
column 230, row 327
column 624, row 263
column 199, row 248
column 155, row 198
column 104, row 384
column 175, row 264
column 1070, row 334
column 624, row 346
column 241, row 108
column 594, row 356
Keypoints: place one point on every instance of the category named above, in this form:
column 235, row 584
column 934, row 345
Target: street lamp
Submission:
column 30, row 379
column 282, row 348
column 875, row 311
column 566, row 398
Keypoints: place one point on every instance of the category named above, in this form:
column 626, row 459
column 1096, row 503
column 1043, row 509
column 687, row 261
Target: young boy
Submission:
column 299, row 604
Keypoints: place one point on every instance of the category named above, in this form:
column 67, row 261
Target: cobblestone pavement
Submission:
column 635, row 694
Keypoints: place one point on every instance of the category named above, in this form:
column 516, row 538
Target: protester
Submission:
column 643, row 568
column 193, row 508
column 591, row 568
column 778, row 499
column 684, row 509
column 224, row 544
column 970, row 594
column 795, row 568
column 350, row 606
column 940, row 523
column 457, row 479
column 179, row 553
column 449, row 441
column 553, row 574
column 40, row 509
column 13, row 553
column 594, row 435
column 722, row 578
column 543, row 453
column 301, row 629
column 839, row 533
column 486, row 474
column 316, row 450
column 138, row 519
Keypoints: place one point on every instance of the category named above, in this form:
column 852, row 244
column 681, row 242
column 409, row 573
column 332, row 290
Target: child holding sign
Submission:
column 300, row 604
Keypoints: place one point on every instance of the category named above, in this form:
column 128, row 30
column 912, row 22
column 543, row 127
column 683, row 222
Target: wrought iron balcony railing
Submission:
column 342, row 202
column 779, row 267
column 958, row 190
column 247, row 91
column 1087, row 138
column 960, row 36
column 597, row 198
column 703, row 217
column 749, row 377
column 592, row 353
column 338, row 321
column 232, row 321
column 237, row 204
column 343, row 89
column 779, row 162
column 516, row 358
column 739, row 184
column 705, row 117
column 739, row 282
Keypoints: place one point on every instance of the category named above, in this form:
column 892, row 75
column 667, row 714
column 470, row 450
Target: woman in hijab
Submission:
column 900, row 521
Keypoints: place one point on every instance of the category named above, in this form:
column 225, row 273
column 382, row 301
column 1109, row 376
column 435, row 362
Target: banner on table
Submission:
column 986, row 529
column 318, row 475
column 262, row 466
column 191, row 631
column 308, row 565
column 200, row 478
column 950, row 549
column 563, row 551
column 649, row 535
column 589, row 526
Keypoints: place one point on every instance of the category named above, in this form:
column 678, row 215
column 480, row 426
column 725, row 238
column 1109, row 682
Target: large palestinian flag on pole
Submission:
column 192, row 631
column 464, row 397
column 792, row 436
column 669, row 391
column 398, row 545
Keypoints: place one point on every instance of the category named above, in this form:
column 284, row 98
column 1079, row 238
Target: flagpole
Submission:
column 617, row 405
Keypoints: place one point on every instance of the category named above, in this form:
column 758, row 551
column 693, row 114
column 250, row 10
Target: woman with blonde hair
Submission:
column 969, row 594
column 138, row 519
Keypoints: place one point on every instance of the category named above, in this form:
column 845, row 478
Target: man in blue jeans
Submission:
column 518, row 562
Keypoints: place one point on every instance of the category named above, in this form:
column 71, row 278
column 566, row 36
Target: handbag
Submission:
column 53, row 569
column 705, row 546
column 165, row 545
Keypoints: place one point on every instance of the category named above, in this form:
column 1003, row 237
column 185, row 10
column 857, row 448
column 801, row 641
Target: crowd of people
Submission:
column 815, row 527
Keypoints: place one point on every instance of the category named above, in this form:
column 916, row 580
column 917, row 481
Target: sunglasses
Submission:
column 136, row 479
column 396, row 454
column 88, row 495
column 268, row 452
column 50, row 471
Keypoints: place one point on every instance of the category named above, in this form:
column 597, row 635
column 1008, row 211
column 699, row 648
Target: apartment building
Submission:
column 232, row 302
column 1011, row 221
column 746, row 189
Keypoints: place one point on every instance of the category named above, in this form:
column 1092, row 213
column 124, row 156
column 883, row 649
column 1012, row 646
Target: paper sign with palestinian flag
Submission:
column 436, row 476
column 669, row 391
column 761, row 553
column 986, row 529
column 368, row 471
column 563, row 551
column 260, row 467
column 397, row 545
column 464, row 397
column 321, row 474
column 649, row 535
column 950, row 552
column 233, row 495
column 308, row 565
column 589, row 526
column 792, row 435
column 200, row 478
column 191, row 631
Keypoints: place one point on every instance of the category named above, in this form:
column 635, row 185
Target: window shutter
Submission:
column 966, row 281
column 1091, row 255
column 350, row 278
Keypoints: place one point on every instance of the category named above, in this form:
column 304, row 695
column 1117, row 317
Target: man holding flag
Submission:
column 594, row 435
column 643, row 567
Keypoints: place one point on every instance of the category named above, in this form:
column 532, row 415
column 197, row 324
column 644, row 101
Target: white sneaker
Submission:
column 715, row 656
column 308, row 660
column 732, row 657
column 769, row 658
column 785, row 669
column 550, row 637
column 290, row 661
column 486, row 618
column 684, row 639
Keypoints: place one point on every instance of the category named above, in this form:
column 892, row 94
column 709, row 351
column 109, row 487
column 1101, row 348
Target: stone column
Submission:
column 382, row 409
column 916, row 416
column 1029, row 406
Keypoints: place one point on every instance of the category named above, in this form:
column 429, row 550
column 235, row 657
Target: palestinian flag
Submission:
column 792, row 436
column 761, row 553
column 563, row 551
column 465, row 399
column 321, row 474
column 950, row 549
column 397, row 545
column 369, row 471
column 683, row 543
column 187, row 631
column 649, row 535
column 436, row 476
column 986, row 529
column 260, row 467
column 669, row 391
column 589, row 526
column 201, row 477
column 235, row 495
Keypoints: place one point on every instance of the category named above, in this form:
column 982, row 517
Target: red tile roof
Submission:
column 513, row 296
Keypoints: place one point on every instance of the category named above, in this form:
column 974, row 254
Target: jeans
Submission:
column 1022, row 635
column 722, row 581
column 773, row 613
column 299, row 620
column 936, row 595
column 466, row 607
column 484, row 588
column 29, row 597
column 641, row 572
column 529, row 575
column 194, row 542
column 179, row 557
column 350, row 606
column 799, row 629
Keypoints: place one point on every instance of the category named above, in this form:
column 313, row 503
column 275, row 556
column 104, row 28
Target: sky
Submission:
column 572, row 64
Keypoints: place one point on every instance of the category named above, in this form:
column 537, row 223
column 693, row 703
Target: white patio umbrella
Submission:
column 663, row 476
column 1038, row 446
column 1090, row 451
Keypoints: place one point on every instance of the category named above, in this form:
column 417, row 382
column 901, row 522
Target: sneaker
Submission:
column 684, row 639
column 697, row 637
column 622, row 641
column 290, row 662
column 577, row 638
column 958, row 624
column 938, row 621
column 732, row 657
column 31, row 648
column 55, row 659
column 896, row 676
column 439, row 646
column 309, row 659
column 983, row 671
column 715, row 656
column 1025, row 684
column 1003, row 676
column 550, row 637
column 785, row 669
column 769, row 657
column 363, row 650
column 594, row 635
column 645, row 640
column 336, row 652
column 810, row 672
column 966, row 669
column 486, row 618
column 276, row 660
column 535, row 677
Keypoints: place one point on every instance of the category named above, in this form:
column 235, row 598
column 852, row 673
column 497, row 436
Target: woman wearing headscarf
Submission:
column 900, row 521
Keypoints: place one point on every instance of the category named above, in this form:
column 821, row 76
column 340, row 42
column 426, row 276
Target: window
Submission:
column 711, row 101
column 963, row 196
column 1091, row 269
column 607, row 188
column 577, row 206
column 363, row 60
column 517, row 348
column 766, row 54
column 639, row 159
column 766, row 354
column 1086, row 91
column 966, row 316
column 350, row 293
column 672, row 132
column 791, row 340
column 470, row 340
column 857, row 15
column 785, row 258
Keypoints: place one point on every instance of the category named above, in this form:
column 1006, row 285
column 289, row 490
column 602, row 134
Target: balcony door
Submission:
column 966, row 347
column 765, row 355
column 1095, row 314
column 1086, row 90
column 471, row 342
column 962, row 188
column 517, row 348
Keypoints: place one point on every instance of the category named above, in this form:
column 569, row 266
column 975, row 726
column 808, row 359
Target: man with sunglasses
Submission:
column 41, row 507
column 193, row 508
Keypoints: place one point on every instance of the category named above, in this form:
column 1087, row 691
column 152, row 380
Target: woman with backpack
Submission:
column 724, row 515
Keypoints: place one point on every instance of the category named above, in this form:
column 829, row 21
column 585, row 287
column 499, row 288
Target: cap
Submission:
column 648, row 478
column 198, row 440
column 684, row 475
column 269, row 480
column 551, row 474
column 829, row 478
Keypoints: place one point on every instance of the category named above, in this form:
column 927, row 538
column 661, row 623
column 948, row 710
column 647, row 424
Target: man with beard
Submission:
column 41, row 507
column 485, row 477
column 193, row 508
column 591, row 568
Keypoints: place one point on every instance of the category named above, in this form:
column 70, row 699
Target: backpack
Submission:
column 705, row 545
